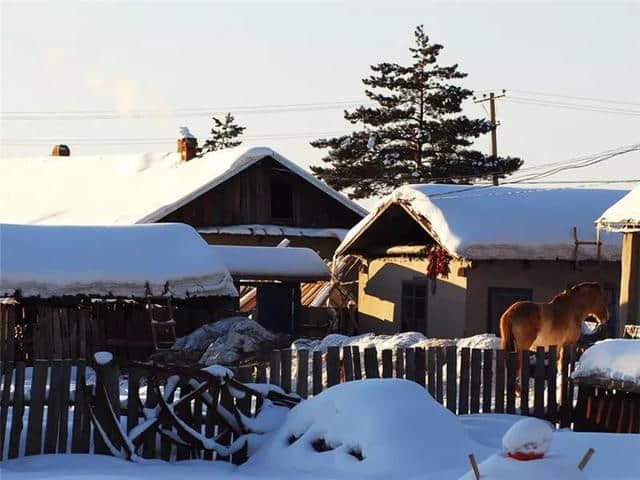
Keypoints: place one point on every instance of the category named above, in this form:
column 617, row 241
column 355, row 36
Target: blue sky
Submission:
column 131, row 57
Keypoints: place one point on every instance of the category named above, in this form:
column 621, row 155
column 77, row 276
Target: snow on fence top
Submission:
column 50, row 261
column 123, row 189
column 624, row 215
column 504, row 222
column 614, row 359
column 273, row 263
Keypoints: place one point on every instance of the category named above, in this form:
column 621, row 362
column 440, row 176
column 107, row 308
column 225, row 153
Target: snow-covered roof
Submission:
column 272, row 263
column 624, row 215
column 124, row 189
column 504, row 222
column 51, row 261
column 276, row 231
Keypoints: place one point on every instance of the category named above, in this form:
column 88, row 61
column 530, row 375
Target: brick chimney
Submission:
column 61, row 151
column 187, row 145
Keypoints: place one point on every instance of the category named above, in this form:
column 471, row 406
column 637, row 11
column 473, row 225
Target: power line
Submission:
column 572, row 97
column 572, row 106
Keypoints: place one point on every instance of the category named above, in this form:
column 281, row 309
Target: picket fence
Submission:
column 46, row 397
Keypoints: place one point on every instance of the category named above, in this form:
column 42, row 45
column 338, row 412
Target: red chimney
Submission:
column 187, row 145
column 61, row 151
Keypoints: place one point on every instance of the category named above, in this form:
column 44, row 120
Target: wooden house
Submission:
column 624, row 217
column 68, row 291
column 275, row 275
column 236, row 196
column 500, row 244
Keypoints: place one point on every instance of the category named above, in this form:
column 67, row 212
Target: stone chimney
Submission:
column 61, row 151
column 187, row 145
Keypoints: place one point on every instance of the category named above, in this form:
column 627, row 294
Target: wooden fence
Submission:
column 47, row 397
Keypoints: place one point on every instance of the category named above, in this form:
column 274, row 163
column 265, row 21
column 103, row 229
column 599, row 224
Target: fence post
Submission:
column 499, row 395
column 552, row 372
column 107, row 390
column 347, row 359
column 286, row 370
column 452, row 374
column 476, row 365
column 387, row 363
column 487, row 380
column 317, row 372
column 463, row 392
column 274, row 368
column 333, row 366
column 524, row 382
column 371, row 363
column 302, row 375
column 18, row 411
column 538, row 405
column 421, row 366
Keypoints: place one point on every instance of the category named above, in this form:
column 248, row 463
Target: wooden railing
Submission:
column 48, row 396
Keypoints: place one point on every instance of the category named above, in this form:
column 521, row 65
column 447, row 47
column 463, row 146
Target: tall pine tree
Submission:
column 224, row 134
column 414, row 133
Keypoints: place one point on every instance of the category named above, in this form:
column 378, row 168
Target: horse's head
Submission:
column 594, row 299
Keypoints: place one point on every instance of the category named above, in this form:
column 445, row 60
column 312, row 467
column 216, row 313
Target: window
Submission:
column 414, row 307
column 499, row 300
column 281, row 200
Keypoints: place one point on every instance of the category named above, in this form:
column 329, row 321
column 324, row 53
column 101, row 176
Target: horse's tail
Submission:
column 508, row 342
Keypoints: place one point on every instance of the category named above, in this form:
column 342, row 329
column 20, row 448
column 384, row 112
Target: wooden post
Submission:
column 317, row 372
column 452, row 377
column 411, row 364
column 476, row 365
column 552, row 374
column 487, row 380
column 463, row 399
column 524, row 382
column 107, row 390
column 499, row 395
column 302, row 375
column 333, row 366
column 629, row 282
column 431, row 372
column 274, row 370
column 387, row 363
column 400, row 363
column 421, row 366
column 286, row 369
column 36, row 409
column 347, row 359
column 538, row 404
column 371, row 363
column 357, row 363
column 18, row 412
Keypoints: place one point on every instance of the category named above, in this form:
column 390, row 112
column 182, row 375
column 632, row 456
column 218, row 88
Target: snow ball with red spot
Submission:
column 527, row 439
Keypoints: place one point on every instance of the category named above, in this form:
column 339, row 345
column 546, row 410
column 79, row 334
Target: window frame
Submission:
column 406, row 326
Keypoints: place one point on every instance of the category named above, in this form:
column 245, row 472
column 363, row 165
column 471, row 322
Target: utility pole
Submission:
column 494, row 126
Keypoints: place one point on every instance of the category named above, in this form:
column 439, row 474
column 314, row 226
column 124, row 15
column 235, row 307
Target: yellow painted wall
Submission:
column 545, row 278
column 459, row 306
column 380, row 296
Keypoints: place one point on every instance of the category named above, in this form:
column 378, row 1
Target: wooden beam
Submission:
column 629, row 282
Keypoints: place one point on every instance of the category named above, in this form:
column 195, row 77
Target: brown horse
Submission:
column 527, row 325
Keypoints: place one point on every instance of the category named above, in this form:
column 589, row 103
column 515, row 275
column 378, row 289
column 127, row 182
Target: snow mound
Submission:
column 530, row 436
column 226, row 340
column 399, row 340
column 617, row 359
column 358, row 429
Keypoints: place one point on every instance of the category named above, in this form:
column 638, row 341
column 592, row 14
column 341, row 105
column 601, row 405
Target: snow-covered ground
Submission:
column 393, row 425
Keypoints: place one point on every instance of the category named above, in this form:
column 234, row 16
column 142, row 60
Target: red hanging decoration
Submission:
column 438, row 260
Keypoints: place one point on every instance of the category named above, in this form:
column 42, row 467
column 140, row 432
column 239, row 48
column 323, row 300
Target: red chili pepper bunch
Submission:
column 438, row 262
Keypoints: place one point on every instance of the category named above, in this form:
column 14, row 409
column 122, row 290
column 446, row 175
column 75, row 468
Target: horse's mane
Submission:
column 573, row 289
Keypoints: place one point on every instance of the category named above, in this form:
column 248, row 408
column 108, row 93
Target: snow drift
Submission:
column 373, row 428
